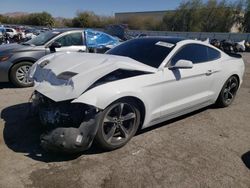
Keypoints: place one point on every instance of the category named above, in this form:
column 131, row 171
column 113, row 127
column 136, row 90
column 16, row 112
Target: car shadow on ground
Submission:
column 246, row 159
column 7, row 85
column 22, row 132
column 168, row 122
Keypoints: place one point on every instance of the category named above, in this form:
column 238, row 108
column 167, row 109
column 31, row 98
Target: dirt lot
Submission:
column 208, row 148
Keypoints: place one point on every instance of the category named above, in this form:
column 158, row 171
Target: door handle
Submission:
column 209, row 72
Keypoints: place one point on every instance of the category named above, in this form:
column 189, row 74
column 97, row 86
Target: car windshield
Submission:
column 43, row 38
column 150, row 51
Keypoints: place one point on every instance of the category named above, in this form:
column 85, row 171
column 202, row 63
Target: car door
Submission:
column 185, row 89
column 71, row 42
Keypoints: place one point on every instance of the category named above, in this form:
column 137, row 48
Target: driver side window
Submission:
column 72, row 39
column 192, row 52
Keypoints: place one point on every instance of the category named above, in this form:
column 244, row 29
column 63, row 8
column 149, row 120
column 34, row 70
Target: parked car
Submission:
column 139, row 83
column 2, row 31
column 229, row 46
column 11, row 32
column 16, row 59
column 2, row 35
column 31, row 33
column 100, row 42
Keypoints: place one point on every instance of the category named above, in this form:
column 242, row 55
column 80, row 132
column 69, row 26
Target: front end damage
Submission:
column 62, row 78
column 68, row 127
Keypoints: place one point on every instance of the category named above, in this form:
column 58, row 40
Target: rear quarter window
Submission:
column 193, row 52
column 197, row 53
column 213, row 54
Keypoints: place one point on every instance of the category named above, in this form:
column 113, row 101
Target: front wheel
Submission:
column 19, row 74
column 228, row 92
column 118, row 124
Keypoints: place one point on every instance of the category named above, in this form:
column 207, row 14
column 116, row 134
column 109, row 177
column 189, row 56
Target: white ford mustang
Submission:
column 107, row 97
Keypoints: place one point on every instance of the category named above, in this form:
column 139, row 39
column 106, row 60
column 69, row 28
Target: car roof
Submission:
column 65, row 30
column 168, row 39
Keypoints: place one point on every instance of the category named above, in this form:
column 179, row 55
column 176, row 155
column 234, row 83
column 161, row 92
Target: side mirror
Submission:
column 182, row 64
column 55, row 45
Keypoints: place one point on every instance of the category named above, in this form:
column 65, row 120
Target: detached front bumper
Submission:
column 71, row 139
column 69, row 127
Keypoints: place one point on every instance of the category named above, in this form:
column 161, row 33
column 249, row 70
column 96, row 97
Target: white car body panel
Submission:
column 75, row 48
column 165, row 93
column 89, row 68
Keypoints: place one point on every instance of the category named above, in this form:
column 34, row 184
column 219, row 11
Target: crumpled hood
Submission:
column 87, row 69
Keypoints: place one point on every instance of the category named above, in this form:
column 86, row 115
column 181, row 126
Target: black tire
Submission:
column 228, row 92
column 122, row 132
column 21, row 68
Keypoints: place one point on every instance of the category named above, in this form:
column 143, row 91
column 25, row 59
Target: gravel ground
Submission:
column 208, row 148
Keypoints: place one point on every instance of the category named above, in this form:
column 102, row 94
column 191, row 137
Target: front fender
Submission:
column 102, row 96
column 29, row 59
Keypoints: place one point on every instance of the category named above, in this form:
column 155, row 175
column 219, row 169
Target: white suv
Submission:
column 11, row 32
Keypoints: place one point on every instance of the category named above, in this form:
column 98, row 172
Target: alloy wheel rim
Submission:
column 118, row 123
column 230, row 90
column 22, row 74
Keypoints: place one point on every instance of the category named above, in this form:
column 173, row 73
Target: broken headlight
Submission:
column 44, row 63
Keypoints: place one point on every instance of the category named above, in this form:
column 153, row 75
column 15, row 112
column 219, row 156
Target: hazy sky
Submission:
column 66, row 8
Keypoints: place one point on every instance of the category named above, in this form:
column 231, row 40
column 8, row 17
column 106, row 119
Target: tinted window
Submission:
column 193, row 52
column 73, row 39
column 9, row 30
column 213, row 54
column 148, row 51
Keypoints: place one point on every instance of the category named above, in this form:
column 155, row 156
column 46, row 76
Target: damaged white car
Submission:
column 108, row 97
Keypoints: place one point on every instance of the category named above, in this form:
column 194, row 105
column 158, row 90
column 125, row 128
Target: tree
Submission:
column 185, row 18
column 213, row 16
column 5, row 19
column 246, row 23
column 1, row 18
column 86, row 19
column 142, row 23
column 40, row 19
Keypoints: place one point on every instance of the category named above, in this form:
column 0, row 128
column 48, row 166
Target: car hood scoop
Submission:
column 85, row 69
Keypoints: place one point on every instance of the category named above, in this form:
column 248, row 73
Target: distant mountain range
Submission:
column 16, row 14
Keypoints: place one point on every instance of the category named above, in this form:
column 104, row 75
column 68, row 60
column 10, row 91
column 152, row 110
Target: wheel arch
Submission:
column 140, row 104
column 224, row 81
column 20, row 60
column 102, row 101
column 237, row 76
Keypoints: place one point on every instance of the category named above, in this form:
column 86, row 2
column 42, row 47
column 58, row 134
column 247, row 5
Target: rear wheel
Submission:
column 19, row 74
column 118, row 124
column 228, row 92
